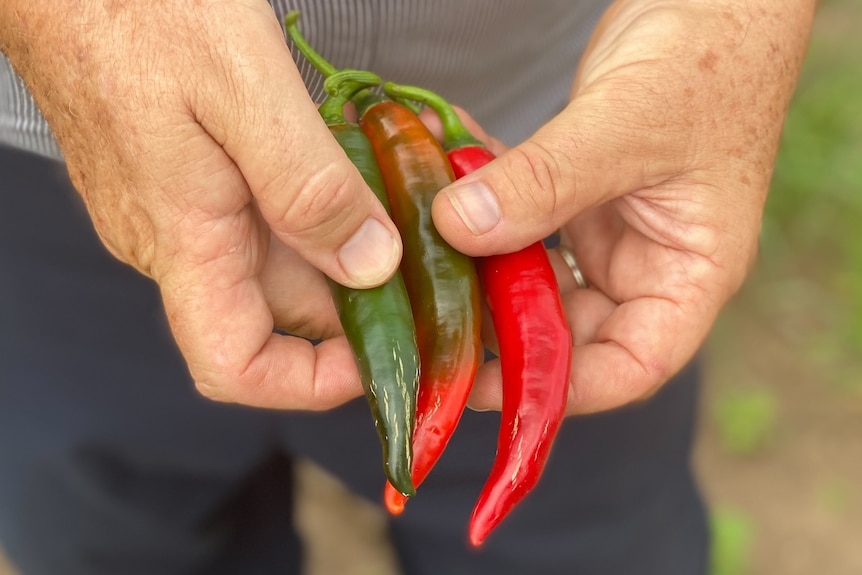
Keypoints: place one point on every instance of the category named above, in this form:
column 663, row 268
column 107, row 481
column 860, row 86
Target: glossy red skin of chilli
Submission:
column 534, row 338
column 442, row 283
column 468, row 159
column 535, row 345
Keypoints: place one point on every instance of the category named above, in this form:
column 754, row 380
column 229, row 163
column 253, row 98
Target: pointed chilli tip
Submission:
column 394, row 500
column 476, row 538
column 396, row 507
column 481, row 525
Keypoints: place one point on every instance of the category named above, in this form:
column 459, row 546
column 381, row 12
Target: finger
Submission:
column 585, row 156
column 208, row 264
column 641, row 345
column 565, row 276
column 625, row 351
column 487, row 392
column 306, row 188
column 288, row 279
column 645, row 321
column 620, row 356
column 488, row 334
column 586, row 309
column 222, row 323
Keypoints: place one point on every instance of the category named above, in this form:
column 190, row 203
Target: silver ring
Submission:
column 569, row 257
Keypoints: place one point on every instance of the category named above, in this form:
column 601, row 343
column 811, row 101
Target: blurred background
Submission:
column 780, row 447
column 780, row 451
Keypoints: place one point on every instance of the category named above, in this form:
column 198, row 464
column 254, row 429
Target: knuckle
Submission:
column 221, row 380
column 307, row 324
column 320, row 203
column 541, row 191
column 212, row 390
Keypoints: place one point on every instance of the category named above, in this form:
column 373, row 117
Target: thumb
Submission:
column 306, row 188
column 587, row 155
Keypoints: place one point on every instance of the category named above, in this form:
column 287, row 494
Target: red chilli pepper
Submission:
column 442, row 283
column 535, row 343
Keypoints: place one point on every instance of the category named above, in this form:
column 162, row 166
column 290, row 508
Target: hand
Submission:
column 656, row 173
column 190, row 135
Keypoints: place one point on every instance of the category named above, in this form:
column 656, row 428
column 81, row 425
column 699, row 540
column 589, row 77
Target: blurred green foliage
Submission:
column 805, row 294
column 835, row 496
column 791, row 344
column 732, row 539
column 745, row 419
column 809, row 277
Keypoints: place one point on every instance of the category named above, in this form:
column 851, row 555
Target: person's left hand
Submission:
column 656, row 173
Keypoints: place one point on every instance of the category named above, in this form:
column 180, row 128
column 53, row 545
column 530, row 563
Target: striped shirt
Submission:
column 509, row 62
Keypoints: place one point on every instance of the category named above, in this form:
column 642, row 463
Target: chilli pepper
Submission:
column 378, row 322
column 442, row 283
column 535, row 342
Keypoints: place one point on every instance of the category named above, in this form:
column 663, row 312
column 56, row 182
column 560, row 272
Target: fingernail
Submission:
column 370, row 255
column 477, row 205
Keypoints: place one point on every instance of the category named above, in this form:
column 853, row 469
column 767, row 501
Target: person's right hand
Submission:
column 192, row 139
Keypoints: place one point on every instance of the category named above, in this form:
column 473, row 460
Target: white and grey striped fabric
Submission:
column 21, row 123
column 509, row 62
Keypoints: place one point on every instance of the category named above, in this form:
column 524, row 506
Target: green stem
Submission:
column 341, row 87
column 455, row 132
column 291, row 27
column 414, row 106
column 363, row 99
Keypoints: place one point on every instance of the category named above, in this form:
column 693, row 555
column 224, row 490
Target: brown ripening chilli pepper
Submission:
column 535, row 342
column 377, row 322
column 442, row 282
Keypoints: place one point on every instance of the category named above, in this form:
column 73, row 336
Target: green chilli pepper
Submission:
column 377, row 322
column 442, row 283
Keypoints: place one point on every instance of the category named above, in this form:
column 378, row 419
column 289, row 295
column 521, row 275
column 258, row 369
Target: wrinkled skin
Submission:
column 204, row 164
column 656, row 173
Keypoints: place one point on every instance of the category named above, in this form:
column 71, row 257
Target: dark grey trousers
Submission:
column 111, row 464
